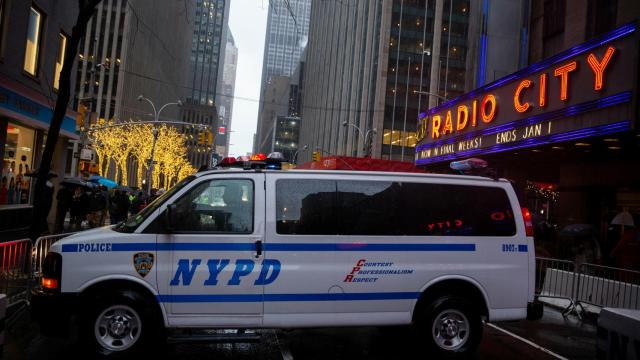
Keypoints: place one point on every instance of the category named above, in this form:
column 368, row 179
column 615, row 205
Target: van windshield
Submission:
column 130, row 225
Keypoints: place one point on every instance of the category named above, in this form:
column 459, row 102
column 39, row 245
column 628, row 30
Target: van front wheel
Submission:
column 452, row 326
column 120, row 323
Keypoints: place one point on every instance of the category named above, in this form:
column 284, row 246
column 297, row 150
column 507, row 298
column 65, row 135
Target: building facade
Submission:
column 33, row 37
column 225, row 104
column 564, row 129
column 285, row 40
column 128, row 51
column 208, row 46
column 371, row 65
column 201, row 116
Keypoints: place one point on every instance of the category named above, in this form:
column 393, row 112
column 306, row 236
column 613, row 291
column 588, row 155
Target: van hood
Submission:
column 98, row 236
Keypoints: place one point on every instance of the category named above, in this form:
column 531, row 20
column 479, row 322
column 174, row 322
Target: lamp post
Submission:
column 156, row 115
column 364, row 140
column 295, row 155
column 440, row 97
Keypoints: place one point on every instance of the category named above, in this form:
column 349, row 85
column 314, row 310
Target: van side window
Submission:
column 369, row 208
column 455, row 210
column 217, row 206
column 306, row 207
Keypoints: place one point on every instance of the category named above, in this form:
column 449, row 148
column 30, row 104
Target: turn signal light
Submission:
column 49, row 283
column 528, row 225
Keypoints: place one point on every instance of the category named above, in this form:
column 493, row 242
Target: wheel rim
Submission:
column 450, row 330
column 117, row 328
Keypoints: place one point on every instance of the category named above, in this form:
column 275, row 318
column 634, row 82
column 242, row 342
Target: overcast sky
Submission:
column 247, row 21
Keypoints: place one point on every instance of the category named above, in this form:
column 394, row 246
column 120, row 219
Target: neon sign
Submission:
column 539, row 102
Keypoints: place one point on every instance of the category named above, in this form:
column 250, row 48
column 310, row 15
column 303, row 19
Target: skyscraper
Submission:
column 377, row 65
column 207, row 50
column 286, row 37
column 225, row 104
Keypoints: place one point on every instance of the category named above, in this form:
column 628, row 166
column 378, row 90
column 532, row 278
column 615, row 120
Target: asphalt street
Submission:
column 566, row 338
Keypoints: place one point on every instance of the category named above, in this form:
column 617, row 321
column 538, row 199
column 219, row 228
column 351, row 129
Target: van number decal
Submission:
column 514, row 248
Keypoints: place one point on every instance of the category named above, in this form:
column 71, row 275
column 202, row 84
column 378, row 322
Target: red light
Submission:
column 228, row 161
column 221, row 130
column 49, row 283
column 528, row 225
column 259, row 157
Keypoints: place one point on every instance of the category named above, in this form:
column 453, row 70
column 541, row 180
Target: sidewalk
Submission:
column 569, row 337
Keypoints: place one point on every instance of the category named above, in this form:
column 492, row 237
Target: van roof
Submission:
column 354, row 173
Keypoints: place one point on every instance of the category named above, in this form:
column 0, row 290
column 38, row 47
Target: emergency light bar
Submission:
column 468, row 164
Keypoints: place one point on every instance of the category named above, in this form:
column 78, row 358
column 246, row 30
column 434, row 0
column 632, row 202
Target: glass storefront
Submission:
column 17, row 161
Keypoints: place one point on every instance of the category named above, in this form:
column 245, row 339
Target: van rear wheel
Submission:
column 452, row 327
column 119, row 324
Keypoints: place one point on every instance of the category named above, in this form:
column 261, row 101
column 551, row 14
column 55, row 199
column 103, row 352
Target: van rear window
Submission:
column 345, row 207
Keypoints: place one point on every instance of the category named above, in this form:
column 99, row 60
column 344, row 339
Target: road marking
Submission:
column 284, row 349
column 529, row 342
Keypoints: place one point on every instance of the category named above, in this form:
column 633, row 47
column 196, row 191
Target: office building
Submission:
column 225, row 104
column 371, row 65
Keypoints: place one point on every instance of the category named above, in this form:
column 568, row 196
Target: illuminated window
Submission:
column 62, row 46
column 399, row 138
column 32, row 49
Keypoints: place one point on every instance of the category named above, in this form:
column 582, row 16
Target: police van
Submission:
column 258, row 248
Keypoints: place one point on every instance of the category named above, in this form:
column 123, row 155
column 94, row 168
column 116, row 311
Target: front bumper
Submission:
column 53, row 312
column 535, row 310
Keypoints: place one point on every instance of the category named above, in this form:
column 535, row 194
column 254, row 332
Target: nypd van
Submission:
column 248, row 249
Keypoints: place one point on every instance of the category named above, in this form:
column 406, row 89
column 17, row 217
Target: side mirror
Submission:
column 170, row 217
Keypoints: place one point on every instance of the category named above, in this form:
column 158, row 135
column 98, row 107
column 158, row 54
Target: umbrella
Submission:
column 74, row 181
column 34, row 173
column 103, row 181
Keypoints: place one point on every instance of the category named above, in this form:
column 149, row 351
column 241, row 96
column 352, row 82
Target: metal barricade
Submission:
column 605, row 286
column 15, row 269
column 557, row 279
column 40, row 250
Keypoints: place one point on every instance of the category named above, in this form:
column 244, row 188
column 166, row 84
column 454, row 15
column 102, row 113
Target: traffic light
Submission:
column 82, row 114
column 210, row 137
column 201, row 138
column 316, row 156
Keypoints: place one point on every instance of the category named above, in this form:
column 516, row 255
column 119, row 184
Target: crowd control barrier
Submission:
column 595, row 285
column 15, row 269
column 40, row 250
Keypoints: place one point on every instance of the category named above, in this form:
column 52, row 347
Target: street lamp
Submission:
column 156, row 115
column 366, row 135
column 295, row 155
column 440, row 97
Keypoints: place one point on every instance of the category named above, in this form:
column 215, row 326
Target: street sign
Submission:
column 86, row 154
column 214, row 159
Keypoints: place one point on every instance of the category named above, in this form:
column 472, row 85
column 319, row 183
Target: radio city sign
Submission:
column 585, row 91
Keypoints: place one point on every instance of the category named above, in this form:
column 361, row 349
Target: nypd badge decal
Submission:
column 143, row 262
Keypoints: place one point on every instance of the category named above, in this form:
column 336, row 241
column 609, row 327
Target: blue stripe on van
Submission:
column 279, row 247
column 287, row 297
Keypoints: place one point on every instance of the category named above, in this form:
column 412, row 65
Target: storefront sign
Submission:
column 24, row 106
column 585, row 91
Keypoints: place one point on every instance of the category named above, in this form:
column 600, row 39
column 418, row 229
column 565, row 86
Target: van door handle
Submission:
column 258, row 248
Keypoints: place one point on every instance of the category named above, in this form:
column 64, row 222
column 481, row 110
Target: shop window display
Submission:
column 17, row 161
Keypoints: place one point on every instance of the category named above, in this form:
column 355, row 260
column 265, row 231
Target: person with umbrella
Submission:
column 79, row 207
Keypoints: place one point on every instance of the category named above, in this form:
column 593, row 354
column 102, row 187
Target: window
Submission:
column 32, row 49
column 385, row 208
column 217, row 206
column 306, row 207
column 62, row 46
column 18, row 161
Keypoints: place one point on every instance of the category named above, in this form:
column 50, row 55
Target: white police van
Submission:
column 251, row 249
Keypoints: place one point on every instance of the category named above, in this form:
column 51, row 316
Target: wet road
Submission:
column 568, row 338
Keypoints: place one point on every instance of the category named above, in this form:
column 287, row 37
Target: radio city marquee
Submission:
column 585, row 91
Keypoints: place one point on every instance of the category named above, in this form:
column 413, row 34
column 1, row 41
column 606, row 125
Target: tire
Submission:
column 121, row 323
column 451, row 327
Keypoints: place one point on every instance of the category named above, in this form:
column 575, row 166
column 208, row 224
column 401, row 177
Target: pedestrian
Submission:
column 122, row 205
column 105, row 210
column 97, row 205
column 113, row 207
column 79, row 208
column 63, row 198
